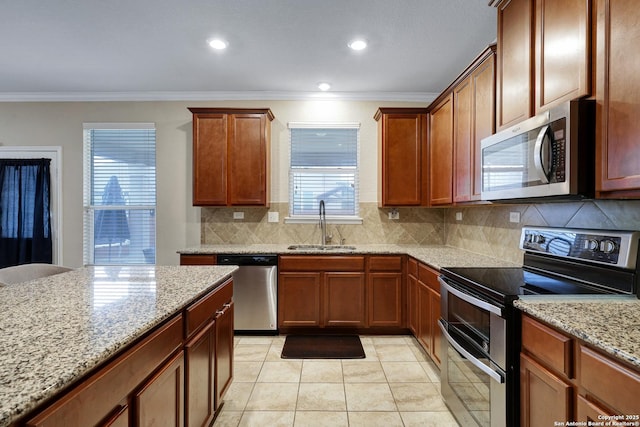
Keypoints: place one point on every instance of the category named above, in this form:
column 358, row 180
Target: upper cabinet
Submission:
column 402, row 136
column 441, row 152
column 231, row 156
column 617, row 43
column 473, row 119
column 543, row 56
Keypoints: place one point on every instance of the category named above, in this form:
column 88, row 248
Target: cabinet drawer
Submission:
column 100, row 396
column 197, row 259
column 205, row 309
column 412, row 267
column 551, row 347
column 385, row 263
column 429, row 277
column 617, row 386
column 321, row 263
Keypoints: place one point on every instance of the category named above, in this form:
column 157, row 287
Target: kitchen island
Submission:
column 58, row 330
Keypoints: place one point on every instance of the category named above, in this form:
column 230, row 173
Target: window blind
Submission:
column 324, row 166
column 119, row 193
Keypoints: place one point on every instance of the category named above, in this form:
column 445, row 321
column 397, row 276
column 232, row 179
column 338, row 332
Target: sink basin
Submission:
column 321, row 248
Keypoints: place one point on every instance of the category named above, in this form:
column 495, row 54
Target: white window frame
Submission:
column 330, row 219
column 88, row 245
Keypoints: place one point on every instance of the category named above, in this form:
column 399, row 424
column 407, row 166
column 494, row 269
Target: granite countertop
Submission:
column 436, row 256
column 56, row 329
column 609, row 323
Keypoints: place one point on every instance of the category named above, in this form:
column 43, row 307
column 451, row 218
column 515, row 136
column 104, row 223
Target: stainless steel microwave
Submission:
column 548, row 156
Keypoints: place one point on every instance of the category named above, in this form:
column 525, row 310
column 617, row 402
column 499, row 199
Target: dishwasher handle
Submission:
column 253, row 259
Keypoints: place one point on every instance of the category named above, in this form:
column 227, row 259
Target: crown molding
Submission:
column 425, row 97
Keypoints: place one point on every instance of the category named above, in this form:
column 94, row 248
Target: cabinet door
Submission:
column 209, row 159
column 436, row 340
column 223, row 351
column 513, row 89
column 402, row 138
column 441, row 153
column 344, row 299
column 412, row 304
column 462, row 140
column 484, row 119
column 617, row 94
column 385, row 299
column 248, row 153
column 161, row 400
column 200, row 386
column 562, row 51
column 544, row 397
column 299, row 299
column 424, row 317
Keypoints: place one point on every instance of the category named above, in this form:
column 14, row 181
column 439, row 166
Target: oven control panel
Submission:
column 610, row 247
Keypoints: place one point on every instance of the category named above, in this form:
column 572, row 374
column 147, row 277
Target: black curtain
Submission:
column 25, row 227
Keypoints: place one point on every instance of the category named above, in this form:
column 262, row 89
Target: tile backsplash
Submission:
column 484, row 229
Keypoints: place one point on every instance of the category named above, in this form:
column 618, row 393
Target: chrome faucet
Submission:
column 323, row 223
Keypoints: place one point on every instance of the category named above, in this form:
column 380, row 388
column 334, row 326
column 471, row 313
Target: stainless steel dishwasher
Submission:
column 255, row 292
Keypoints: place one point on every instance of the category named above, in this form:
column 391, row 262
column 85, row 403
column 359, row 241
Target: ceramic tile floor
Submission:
column 395, row 385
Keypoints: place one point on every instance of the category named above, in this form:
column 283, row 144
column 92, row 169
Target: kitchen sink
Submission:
column 321, row 248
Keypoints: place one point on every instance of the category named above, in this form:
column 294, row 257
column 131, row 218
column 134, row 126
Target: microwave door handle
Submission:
column 478, row 364
column 538, row 155
column 470, row 298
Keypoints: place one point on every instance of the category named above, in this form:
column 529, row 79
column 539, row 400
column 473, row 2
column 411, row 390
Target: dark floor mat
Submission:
column 322, row 347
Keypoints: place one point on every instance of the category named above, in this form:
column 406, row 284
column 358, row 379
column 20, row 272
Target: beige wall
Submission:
column 178, row 223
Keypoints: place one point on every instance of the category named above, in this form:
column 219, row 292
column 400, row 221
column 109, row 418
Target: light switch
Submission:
column 238, row 215
column 514, row 217
column 273, row 217
column 458, row 216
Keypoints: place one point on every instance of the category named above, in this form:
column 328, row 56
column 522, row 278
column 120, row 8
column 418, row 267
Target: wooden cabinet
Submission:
column 562, row 378
column 161, row 399
column 514, row 95
column 543, row 57
column 424, row 307
column 231, row 156
column 402, row 136
column 617, row 41
column 208, row 354
column 473, row 119
column 197, row 259
column 385, row 286
column 562, row 51
column 321, row 291
column 441, row 153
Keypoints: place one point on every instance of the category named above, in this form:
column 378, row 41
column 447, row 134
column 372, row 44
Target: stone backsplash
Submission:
column 484, row 229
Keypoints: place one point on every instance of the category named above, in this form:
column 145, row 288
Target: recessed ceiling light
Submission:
column 324, row 86
column 358, row 44
column 218, row 44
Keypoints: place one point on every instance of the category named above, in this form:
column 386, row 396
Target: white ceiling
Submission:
column 278, row 49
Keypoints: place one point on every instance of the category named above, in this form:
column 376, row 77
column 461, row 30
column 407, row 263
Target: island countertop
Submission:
column 55, row 330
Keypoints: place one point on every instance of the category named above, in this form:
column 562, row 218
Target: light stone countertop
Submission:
column 609, row 323
column 437, row 256
column 56, row 329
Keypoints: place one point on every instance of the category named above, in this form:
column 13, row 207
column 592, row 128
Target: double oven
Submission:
column 480, row 353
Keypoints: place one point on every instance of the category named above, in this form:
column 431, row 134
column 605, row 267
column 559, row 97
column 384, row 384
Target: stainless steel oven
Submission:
column 480, row 354
column 549, row 155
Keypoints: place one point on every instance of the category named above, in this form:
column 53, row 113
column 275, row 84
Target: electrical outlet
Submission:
column 273, row 217
column 514, row 217
column 238, row 215
column 458, row 216
column 394, row 214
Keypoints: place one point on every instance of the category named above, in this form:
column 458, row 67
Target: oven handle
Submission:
column 538, row 155
column 471, row 299
column 478, row 364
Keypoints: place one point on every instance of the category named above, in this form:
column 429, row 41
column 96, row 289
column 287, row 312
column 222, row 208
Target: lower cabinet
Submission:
column 562, row 379
column 424, row 307
column 385, row 287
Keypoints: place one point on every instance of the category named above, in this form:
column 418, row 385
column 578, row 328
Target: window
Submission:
column 119, row 193
column 324, row 166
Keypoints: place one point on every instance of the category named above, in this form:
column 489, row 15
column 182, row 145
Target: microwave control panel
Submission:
column 558, row 150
